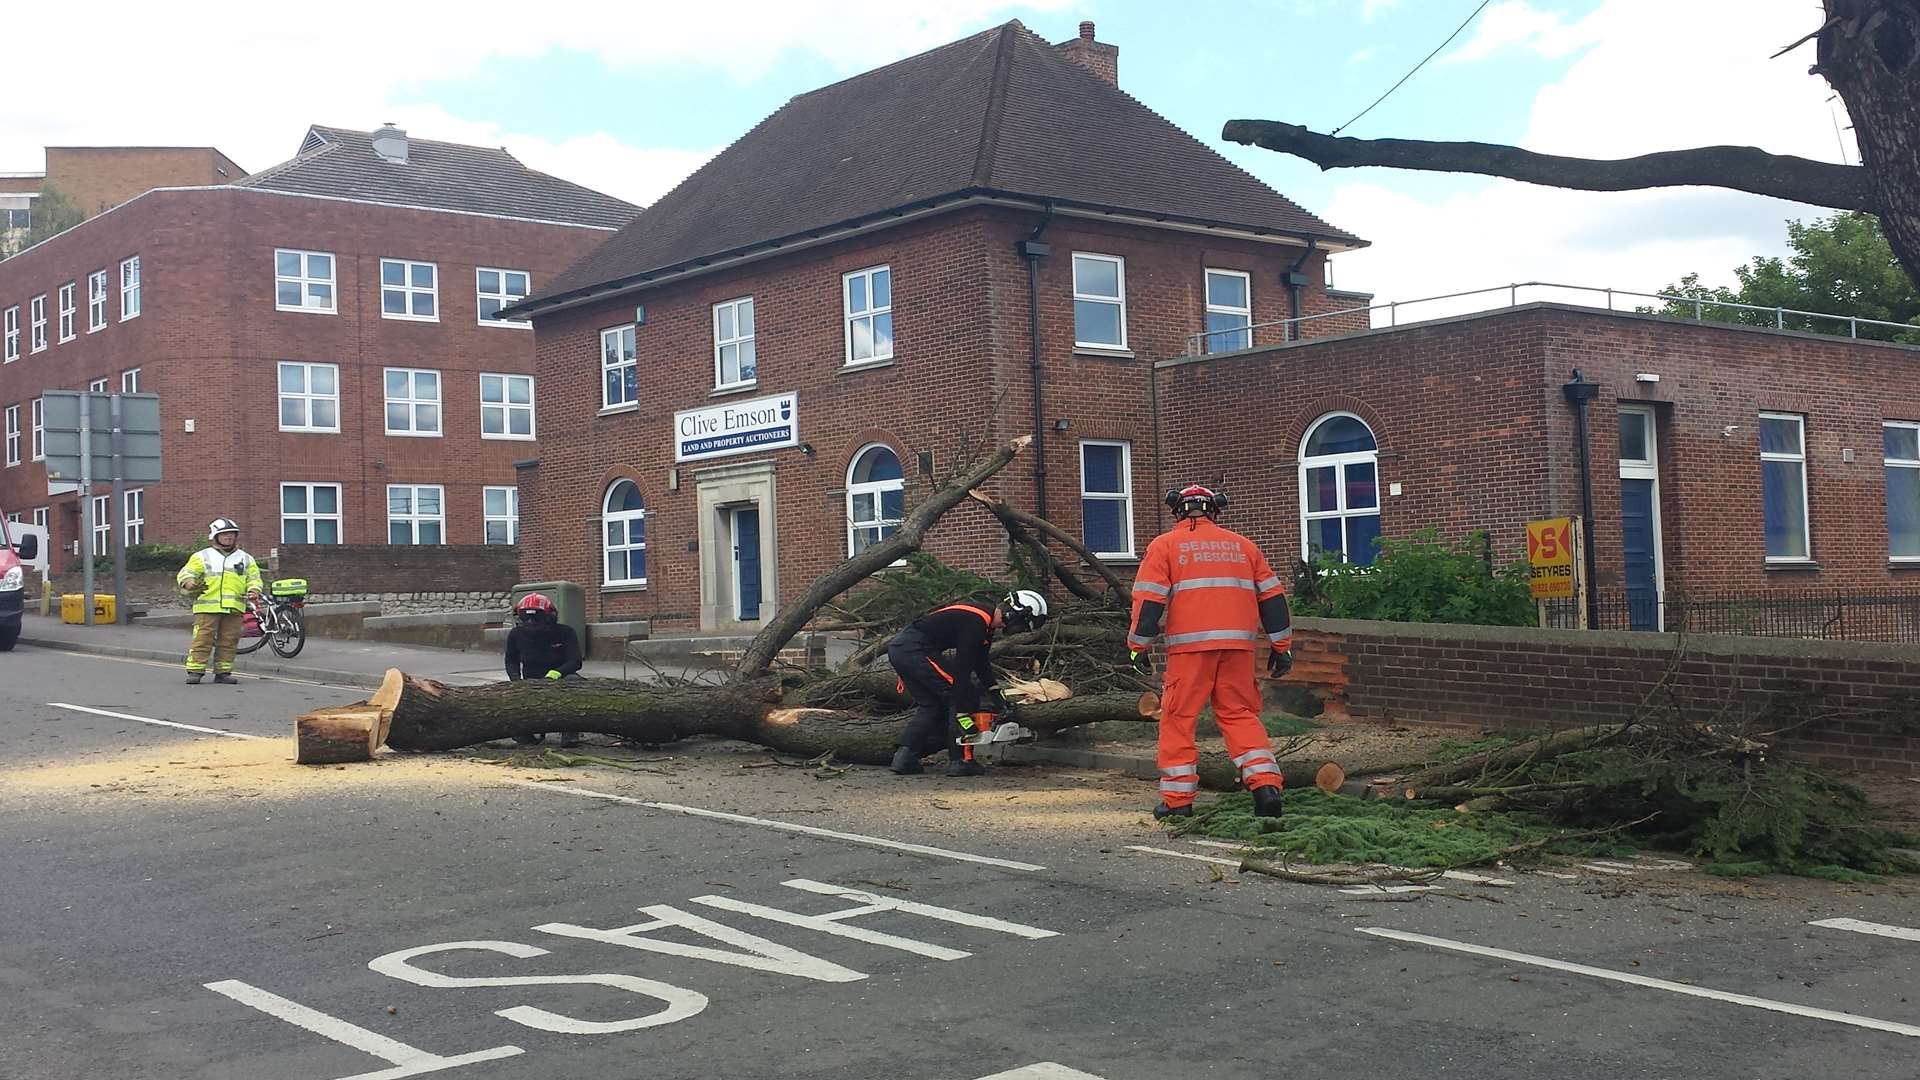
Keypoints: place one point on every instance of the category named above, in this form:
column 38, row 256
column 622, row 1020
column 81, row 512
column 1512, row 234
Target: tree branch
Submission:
column 1741, row 168
column 1011, row 516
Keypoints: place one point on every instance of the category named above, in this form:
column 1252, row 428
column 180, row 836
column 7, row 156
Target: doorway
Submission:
column 1643, row 571
column 738, row 546
column 744, row 524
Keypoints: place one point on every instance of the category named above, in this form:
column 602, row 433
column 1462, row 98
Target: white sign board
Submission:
column 739, row 427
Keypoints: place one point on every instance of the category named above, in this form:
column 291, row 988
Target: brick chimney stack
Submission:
column 1096, row 56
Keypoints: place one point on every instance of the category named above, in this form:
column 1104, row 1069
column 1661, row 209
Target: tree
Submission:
column 52, row 215
column 1867, row 50
column 1841, row 264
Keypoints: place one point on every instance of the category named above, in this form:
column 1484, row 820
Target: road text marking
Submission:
column 1642, row 980
column 151, row 720
column 1904, row 933
column 1045, row 1070
column 407, row 1060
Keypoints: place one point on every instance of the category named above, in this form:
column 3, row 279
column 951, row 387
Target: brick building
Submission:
column 95, row 179
column 888, row 274
column 323, row 336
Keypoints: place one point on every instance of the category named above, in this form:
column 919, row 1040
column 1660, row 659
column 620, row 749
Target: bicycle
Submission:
column 275, row 620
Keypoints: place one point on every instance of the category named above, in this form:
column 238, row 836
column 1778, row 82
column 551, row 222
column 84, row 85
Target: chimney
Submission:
column 1096, row 56
column 391, row 143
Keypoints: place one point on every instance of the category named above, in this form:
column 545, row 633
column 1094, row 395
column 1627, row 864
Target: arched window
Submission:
column 1339, row 490
column 876, row 497
column 624, row 517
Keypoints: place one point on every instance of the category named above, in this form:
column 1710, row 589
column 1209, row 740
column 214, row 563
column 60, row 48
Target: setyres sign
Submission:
column 739, row 427
column 1550, row 558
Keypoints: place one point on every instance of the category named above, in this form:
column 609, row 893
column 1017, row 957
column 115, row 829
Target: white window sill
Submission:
column 309, row 431
column 135, row 315
column 1792, row 564
column 1104, row 352
column 507, row 324
column 615, row 410
column 96, row 329
column 69, row 337
column 625, row 587
column 732, row 389
column 409, row 318
column 1129, row 557
column 484, row 437
column 413, row 434
column 293, row 310
column 864, row 365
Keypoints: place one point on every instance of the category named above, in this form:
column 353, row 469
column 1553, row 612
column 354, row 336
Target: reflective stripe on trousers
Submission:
column 1256, row 763
column 1180, row 778
column 1214, row 635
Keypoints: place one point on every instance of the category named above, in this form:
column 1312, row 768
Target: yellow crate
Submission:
column 73, row 608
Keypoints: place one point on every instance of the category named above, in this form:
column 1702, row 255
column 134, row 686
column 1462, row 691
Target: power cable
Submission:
column 1416, row 67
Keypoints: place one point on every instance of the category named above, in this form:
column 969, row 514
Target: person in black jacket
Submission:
column 541, row 647
column 946, row 693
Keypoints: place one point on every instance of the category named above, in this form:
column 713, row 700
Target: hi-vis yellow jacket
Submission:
column 226, row 580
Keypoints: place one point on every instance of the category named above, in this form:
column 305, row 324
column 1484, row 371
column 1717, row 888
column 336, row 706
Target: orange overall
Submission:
column 1222, row 605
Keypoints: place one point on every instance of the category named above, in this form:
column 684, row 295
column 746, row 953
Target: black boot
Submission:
column 906, row 761
column 569, row 739
column 1165, row 811
column 1266, row 802
column 961, row 765
column 530, row 740
column 193, row 678
column 225, row 677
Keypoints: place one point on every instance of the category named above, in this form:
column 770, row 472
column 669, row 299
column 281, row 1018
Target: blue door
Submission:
column 746, row 561
column 1639, row 541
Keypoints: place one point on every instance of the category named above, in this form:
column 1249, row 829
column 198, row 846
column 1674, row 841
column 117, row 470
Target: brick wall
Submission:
column 477, row 577
column 97, row 178
column 1517, row 677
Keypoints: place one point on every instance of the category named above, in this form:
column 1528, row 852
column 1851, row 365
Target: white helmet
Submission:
column 1025, row 606
column 221, row 525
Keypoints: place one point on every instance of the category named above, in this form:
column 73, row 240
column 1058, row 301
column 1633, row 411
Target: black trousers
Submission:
column 934, row 724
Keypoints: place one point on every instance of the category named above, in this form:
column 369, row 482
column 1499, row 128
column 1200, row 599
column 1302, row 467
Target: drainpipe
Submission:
column 1033, row 251
column 1296, row 279
column 1578, row 393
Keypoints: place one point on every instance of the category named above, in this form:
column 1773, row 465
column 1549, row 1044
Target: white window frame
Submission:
column 413, row 404
column 13, row 333
column 97, row 386
column 1339, row 463
column 409, row 291
column 506, row 408
column 869, row 315
column 1893, row 463
column 13, row 435
column 506, row 298
column 1643, row 468
column 307, row 397
column 130, row 305
column 38, row 443
column 621, row 361
column 1120, row 280
column 413, row 518
column 1124, row 496
column 41, row 514
column 1206, row 295
column 130, row 381
column 39, row 323
column 102, row 526
column 97, row 301
column 307, row 281
column 133, row 518
column 1806, row 481
column 311, row 516
column 608, row 517
column 512, row 518
column 741, row 343
column 877, row 489
column 69, row 312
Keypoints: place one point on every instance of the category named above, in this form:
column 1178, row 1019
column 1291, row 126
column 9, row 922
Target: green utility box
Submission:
column 568, row 597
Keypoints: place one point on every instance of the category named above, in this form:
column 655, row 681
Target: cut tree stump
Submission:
column 339, row 734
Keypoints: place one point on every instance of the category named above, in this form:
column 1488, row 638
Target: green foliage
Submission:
column 53, row 214
column 1841, row 264
column 1449, row 750
column 896, row 597
column 141, row 558
column 1421, row 578
column 1285, row 725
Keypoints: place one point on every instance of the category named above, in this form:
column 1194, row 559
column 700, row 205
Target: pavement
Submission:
column 180, row 901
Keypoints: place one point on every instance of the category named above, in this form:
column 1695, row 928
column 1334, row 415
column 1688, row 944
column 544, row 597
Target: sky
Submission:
column 629, row 97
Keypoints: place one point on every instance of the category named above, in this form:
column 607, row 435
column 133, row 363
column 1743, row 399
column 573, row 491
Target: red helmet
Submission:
column 1196, row 498
column 533, row 602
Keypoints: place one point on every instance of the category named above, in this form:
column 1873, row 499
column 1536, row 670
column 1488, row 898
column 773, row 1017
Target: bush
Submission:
column 141, row 558
column 1418, row 579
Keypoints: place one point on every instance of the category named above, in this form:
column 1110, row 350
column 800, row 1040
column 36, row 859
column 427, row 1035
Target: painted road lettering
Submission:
column 406, row 1060
column 759, row 953
column 872, row 904
column 681, row 1004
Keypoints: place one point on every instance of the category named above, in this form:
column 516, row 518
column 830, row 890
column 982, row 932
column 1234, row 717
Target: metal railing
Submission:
column 1886, row 615
column 1200, row 343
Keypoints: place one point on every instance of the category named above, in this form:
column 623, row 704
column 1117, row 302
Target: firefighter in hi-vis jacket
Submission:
column 1211, row 593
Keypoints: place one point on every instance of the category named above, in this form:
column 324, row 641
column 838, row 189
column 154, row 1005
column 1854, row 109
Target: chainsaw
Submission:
column 1007, row 731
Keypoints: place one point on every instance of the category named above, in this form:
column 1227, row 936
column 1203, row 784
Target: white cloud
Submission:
column 1516, row 24
column 1371, row 9
column 1363, row 55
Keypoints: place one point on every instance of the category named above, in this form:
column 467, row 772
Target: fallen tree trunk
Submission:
column 333, row 735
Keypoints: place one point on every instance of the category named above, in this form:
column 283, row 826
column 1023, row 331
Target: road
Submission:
column 185, row 904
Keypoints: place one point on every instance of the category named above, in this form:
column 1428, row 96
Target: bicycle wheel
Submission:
column 290, row 635
column 252, row 644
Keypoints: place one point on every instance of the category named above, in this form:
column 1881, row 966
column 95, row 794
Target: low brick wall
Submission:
column 405, row 580
column 1519, row 677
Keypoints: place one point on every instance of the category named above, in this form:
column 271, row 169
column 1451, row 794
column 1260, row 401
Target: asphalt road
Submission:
column 182, row 904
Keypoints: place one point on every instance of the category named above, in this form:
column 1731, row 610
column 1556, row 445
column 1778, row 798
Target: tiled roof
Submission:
column 1000, row 112
column 447, row 176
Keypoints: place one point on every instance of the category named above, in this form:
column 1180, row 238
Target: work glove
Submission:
column 553, row 675
column 1279, row 663
column 1142, row 662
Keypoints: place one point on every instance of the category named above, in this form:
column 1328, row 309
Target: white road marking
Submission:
column 830, row 924
column 407, row 1060
column 1904, row 933
column 755, row 952
column 1374, row 890
column 681, row 1003
column 1235, row 863
column 1450, row 875
column 1562, row 877
column 1599, row 869
column 783, row 826
column 1045, row 1070
column 1222, row 844
column 1641, row 980
column 925, row 911
column 151, row 720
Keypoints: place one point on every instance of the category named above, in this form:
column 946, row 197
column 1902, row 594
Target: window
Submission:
column 1783, row 486
column 1099, row 301
column 498, row 289
column 409, row 290
column 506, row 406
column 97, row 386
column 13, row 435
column 102, row 528
column 1902, row 441
column 876, row 497
column 1106, row 498
column 309, row 397
column 39, row 441
column 1339, row 490
column 40, row 515
column 13, row 333
column 619, row 368
column 96, row 301
column 130, row 289
column 130, row 381
column 39, row 322
column 67, row 312
column 413, row 402
column 500, row 506
column 310, row 514
column 733, row 363
column 869, row 314
column 414, row 514
column 136, row 516
column 302, row 281
column 1229, row 310
column 624, row 515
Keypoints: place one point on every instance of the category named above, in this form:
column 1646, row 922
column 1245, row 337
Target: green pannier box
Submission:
column 293, row 586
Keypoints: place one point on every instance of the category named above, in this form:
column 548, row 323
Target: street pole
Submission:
column 86, row 508
column 117, row 513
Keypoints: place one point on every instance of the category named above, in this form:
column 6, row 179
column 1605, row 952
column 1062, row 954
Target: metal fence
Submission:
column 1888, row 615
